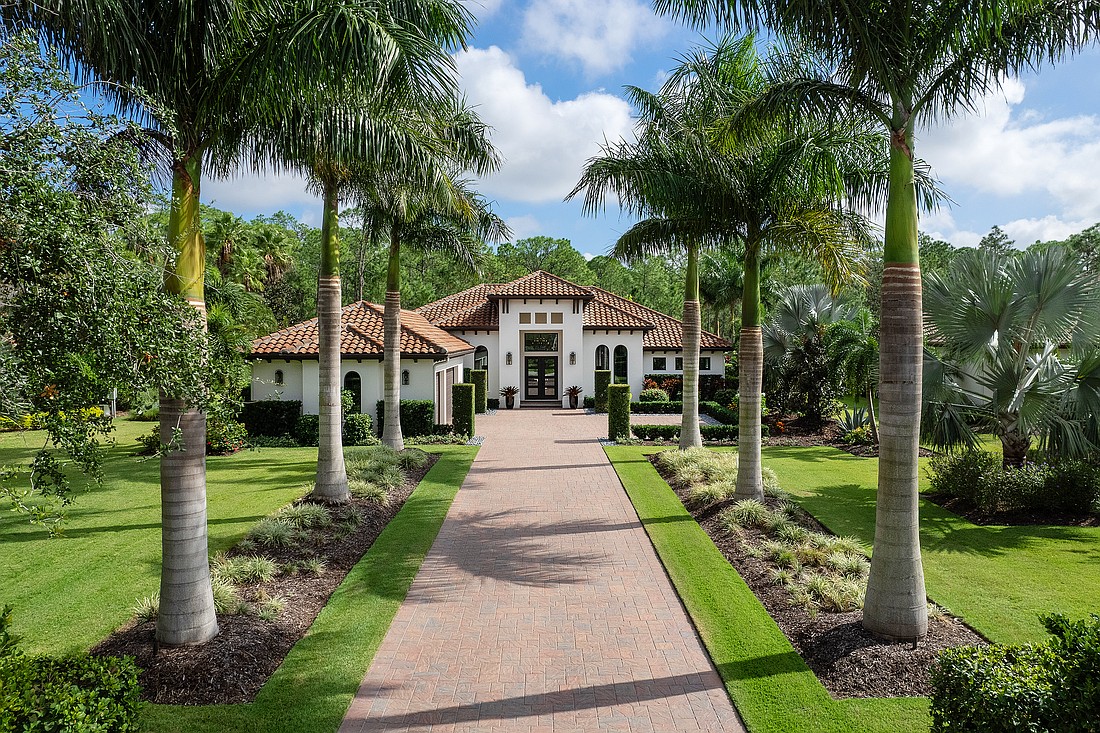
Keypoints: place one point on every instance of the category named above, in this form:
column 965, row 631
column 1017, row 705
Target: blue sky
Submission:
column 548, row 75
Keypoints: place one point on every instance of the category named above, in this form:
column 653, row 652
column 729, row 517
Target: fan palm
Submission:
column 705, row 184
column 900, row 64
column 802, row 310
column 209, row 79
column 1003, row 327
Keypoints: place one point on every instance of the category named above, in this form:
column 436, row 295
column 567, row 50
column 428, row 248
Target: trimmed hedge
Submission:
column 417, row 417
column 79, row 693
column 653, row 394
column 724, row 432
column 721, row 414
column 462, row 398
column 657, row 408
column 493, row 403
column 603, row 381
column 357, row 430
column 618, row 411
column 480, row 380
column 709, row 384
column 307, row 431
column 590, row 402
column 1051, row 687
column 671, row 432
column 271, row 417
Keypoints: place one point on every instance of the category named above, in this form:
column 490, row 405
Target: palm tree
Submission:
column 1000, row 324
column 900, row 63
column 721, row 282
column 443, row 215
column 209, row 80
column 853, row 351
column 782, row 187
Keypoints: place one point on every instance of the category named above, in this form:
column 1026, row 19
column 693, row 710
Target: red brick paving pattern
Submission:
column 542, row 605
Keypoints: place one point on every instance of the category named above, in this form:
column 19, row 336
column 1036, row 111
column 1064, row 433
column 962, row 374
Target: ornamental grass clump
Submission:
column 243, row 569
column 747, row 513
column 304, row 516
column 709, row 493
column 369, row 491
column 273, row 534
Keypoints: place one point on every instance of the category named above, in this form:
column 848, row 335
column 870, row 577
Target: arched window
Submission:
column 619, row 374
column 481, row 358
column 603, row 357
column 279, row 377
column 354, row 383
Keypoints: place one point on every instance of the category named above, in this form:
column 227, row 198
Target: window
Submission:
column 481, row 358
column 540, row 342
column 603, row 358
column 524, row 317
column 557, row 318
column 659, row 364
column 354, row 383
column 619, row 375
column 679, row 363
column 279, row 377
column 540, row 318
column 704, row 363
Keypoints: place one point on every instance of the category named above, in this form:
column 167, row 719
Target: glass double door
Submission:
column 541, row 381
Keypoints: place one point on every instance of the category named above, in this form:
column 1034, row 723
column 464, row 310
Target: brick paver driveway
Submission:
column 542, row 605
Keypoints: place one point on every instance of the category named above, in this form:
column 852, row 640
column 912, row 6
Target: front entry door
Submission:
column 542, row 378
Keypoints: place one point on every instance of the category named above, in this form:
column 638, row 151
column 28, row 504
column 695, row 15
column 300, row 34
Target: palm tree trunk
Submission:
column 896, row 606
column 871, row 412
column 332, row 479
column 186, row 600
column 391, row 361
column 1014, row 448
column 690, row 437
column 750, row 365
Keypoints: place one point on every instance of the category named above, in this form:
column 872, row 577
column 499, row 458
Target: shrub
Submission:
column 653, row 395
column 437, row 439
column 462, row 399
column 78, row 693
column 307, row 431
column 243, row 569
column 150, row 442
column 748, row 513
column 304, row 516
column 655, row 432
column 657, row 408
column 271, row 417
column 369, row 491
column 493, row 403
column 708, row 493
column 224, row 437
column 603, row 380
column 722, row 414
column 280, row 441
column 725, row 396
column 618, row 411
column 273, row 534
column 480, row 380
column 417, row 417
column 589, row 402
column 718, row 432
column 357, row 430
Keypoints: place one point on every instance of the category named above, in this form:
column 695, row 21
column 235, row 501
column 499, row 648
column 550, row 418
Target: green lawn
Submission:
column 70, row 592
column 772, row 687
column 997, row 578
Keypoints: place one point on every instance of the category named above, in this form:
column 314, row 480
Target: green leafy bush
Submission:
column 618, row 411
column 603, row 380
column 664, row 407
column 654, row 394
column 493, row 403
column 978, row 479
column 480, row 380
column 149, row 442
column 655, row 432
column 438, row 439
column 224, row 437
column 722, row 414
column 357, row 430
column 589, row 403
column 417, row 417
column 307, row 431
column 719, row 432
column 725, row 396
column 462, row 399
column 271, row 417
column 279, row 441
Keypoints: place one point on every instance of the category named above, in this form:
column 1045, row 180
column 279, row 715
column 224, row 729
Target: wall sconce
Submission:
column 572, row 358
column 508, row 358
column 405, row 377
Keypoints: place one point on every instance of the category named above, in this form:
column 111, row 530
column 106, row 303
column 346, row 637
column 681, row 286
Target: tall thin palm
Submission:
column 209, row 79
column 853, row 351
column 900, row 64
column 721, row 283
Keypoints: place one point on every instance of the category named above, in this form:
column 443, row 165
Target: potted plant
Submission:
column 509, row 394
column 574, row 393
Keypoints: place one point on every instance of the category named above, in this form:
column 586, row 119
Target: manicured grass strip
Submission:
column 311, row 691
column 767, row 680
column 72, row 591
column 999, row 579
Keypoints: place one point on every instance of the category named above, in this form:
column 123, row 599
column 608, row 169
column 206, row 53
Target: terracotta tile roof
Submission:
column 667, row 331
column 476, row 308
column 362, row 335
column 541, row 284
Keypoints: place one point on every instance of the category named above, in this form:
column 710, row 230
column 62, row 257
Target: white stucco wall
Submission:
column 717, row 362
column 570, row 340
column 635, row 372
column 490, row 340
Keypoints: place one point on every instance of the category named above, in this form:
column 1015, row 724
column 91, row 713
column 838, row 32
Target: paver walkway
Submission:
column 542, row 605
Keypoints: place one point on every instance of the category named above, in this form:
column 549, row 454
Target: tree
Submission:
column 703, row 181
column 722, row 283
column 900, row 64
column 936, row 255
column 997, row 243
column 209, row 81
column 556, row 256
column 1002, row 327
column 853, row 353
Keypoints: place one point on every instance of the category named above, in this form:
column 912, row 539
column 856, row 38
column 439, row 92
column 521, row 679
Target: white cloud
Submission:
column 523, row 226
column 1028, row 231
column 545, row 143
column 248, row 192
column 482, row 8
column 599, row 35
column 1007, row 150
column 587, row 256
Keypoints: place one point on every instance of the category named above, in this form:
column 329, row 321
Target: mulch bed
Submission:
column 233, row 666
column 847, row 660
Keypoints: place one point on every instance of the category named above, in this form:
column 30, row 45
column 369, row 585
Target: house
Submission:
column 540, row 333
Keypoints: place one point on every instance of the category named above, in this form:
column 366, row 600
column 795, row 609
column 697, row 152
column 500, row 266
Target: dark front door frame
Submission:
column 543, row 384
